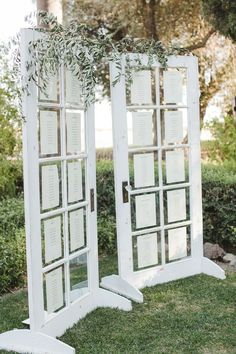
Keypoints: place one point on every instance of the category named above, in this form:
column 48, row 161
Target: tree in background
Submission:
column 222, row 15
column 178, row 21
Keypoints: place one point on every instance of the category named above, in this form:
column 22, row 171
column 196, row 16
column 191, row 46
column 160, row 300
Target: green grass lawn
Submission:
column 193, row 315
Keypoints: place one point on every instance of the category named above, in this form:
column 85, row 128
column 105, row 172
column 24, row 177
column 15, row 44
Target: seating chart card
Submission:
column 176, row 205
column 175, row 166
column 50, row 94
column 147, row 250
column 48, row 132
column 73, row 89
column 73, row 133
column 142, row 128
column 75, row 188
column 144, row 170
column 145, row 210
column 77, row 239
column 173, row 127
column 50, row 187
column 177, row 243
column 141, row 87
column 173, row 86
column 52, row 237
column 54, row 290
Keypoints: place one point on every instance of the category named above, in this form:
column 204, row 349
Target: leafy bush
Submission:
column 11, row 178
column 11, row 216
column 223, row 147
column 12, row 261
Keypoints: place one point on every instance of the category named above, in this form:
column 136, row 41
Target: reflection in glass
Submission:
column 78, row 277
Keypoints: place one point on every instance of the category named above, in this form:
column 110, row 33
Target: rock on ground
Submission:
column 213, row 251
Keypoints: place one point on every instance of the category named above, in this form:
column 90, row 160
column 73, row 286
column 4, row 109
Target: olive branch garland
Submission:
column 83, row 50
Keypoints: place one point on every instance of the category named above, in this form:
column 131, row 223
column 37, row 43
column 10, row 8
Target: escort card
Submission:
column 54, row 290
column 173, row 86
column 141, row 87
column 173, row 127
column 50, row 94
column 145, row 210
column 48, row 132
column 52, row 237
column 144, row 170
column 75, row 189
column 147, row 250
column 73, row 133
column 176, row 205
column 77, row 239
column 177, row 243
column 73, row 89
column 50, row 187
column 175, row 166
column 142, row 128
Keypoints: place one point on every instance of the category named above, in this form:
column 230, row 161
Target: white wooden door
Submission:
column 156, row 135
column 60, row 204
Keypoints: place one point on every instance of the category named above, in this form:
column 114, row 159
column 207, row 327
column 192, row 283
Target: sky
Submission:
column 12, row 14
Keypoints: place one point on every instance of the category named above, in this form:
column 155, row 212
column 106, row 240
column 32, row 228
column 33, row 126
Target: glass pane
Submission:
column 142, row 129
column 178, row 243
column 173, row 83
column 73, row 89
column 51, row 93
column 78, row 277
column 143, row 169
column 145, row 211
column 175, row 166
column 77, row 229
column 52, row 239
column 146, row 250
column 75, row 133
column 76, row 181
column 54, row 290
column 49, row 132
column 174, row 126
column 176, row 205
column 142, row 89
column 50, row 186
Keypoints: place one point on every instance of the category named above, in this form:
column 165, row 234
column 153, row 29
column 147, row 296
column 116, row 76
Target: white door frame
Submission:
column 43, row 328
column 188, row 266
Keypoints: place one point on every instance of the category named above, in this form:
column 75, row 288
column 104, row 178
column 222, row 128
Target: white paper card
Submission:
column 142, row 128
column 75, row 189
column 177, row 243
column 176, row 205
column 52, row 237
column 77, row 229
column 175, row 166
column 144, row 170
column 54, row 290
column 173, row 86
column 50, row 94
column 145, row 210
column 73, row 88
column 147, row 250
column 173, row 127
column 50, row 187
column 141, row 89
column 73, row 133
column 48, row 132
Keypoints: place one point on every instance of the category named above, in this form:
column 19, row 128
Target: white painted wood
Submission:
column 211, row 268
column 192, row 264
column 118, row 285
column 26, row 341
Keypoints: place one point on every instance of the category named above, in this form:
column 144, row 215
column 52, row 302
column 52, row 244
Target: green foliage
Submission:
column 11, row 216
column 11, row 178
column 223, row 147
column 12, row 260
column 222, row 15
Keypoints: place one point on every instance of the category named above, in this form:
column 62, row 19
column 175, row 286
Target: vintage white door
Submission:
column 156, row 136
column 60, row 213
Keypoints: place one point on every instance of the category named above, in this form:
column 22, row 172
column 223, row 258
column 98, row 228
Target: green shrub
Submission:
column 12, row 261
column 11, row 178
column 11, row 216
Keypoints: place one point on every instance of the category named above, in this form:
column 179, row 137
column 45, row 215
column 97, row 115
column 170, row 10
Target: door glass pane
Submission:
column 78, row 277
